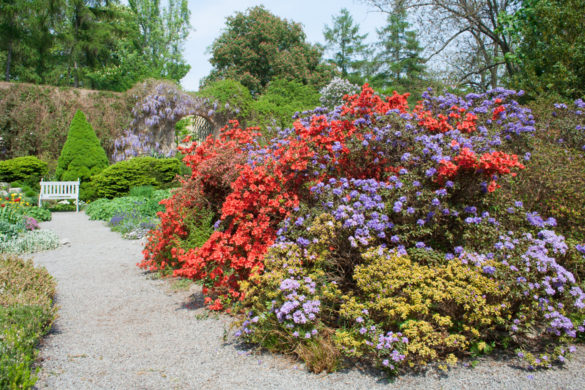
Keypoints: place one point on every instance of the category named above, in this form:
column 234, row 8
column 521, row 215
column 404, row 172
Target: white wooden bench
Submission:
column 52, row 190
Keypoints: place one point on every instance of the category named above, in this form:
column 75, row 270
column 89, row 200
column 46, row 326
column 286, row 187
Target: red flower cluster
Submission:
column 444, row 123
column 490, row 165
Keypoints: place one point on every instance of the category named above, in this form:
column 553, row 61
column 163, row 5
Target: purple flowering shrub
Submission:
column 155, row 115
column 412, row 250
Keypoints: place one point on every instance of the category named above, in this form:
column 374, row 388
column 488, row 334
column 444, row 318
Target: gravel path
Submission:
column 120, row 329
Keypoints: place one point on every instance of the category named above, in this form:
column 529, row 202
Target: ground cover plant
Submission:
column 26, row 314
column 19, row 229
column 379, row 233
column 133, row 215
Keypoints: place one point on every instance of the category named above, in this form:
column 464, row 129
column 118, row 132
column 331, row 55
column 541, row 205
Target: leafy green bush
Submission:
column 82, row 155
column 28, row 169
column 145, row 191
column 282, row 99
column 117, row 179
column 26, row 313
column 231, row 96
column 133, row 216
column 9, row 230
column 10, row 215
column 38, row 213
column 199, row 227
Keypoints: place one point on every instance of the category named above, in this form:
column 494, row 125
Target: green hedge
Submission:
column 27, row 169
column 117, row 179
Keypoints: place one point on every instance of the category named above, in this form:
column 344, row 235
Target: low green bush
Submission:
column 26, row 314
column 199, row 227
column 30, row 242
column 27, row 169
column 38, row 213
column 145, row 191
column 133, row 216
column 119, row 178
column 104, row 209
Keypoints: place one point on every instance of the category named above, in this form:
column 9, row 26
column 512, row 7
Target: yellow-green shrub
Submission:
column 441, row 309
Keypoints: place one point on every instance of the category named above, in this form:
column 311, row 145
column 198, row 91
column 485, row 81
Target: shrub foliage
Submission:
column 28, row 169
column 117, row 179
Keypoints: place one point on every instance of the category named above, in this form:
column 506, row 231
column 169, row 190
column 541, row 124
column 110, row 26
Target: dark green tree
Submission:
column 11, row 32
column 399, row 60
column 347, row 46
column 98, row 44
column 258, row 46
column 43, row 20
column 551, row 53
column 82, row 155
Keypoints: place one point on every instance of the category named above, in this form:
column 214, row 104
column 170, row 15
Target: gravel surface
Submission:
column 118, row 328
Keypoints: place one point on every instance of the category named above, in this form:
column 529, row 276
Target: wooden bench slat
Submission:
column 52, row 190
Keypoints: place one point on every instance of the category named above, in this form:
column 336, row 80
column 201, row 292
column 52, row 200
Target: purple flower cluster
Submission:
column 31, row 224
column 388, row 346
column 152, row 129
column 296, row 307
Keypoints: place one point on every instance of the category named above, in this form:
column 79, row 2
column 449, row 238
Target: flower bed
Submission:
column 377, row 232
column 19, row 229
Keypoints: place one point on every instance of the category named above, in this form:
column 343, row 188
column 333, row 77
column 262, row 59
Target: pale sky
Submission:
column 208, row 20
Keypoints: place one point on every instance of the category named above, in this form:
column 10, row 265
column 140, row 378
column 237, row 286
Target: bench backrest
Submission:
column 60, row 188
column 51, row 190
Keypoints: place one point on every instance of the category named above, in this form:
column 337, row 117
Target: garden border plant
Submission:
column 308, row 223
column 26, row 314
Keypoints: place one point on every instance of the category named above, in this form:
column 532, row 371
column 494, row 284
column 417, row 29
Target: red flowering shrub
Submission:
column 214, row 166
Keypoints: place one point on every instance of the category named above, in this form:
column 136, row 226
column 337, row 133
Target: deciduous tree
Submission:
column 258, row 46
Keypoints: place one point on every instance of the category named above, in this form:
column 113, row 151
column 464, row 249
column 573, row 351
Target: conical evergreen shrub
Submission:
column 82, row 155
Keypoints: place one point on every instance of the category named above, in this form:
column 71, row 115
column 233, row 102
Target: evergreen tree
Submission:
column 99, row 44
column 347, row 45
column 82, row 155
column 11, row 32
column 399, row 61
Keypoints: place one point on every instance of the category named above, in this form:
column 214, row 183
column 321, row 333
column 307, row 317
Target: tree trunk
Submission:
column 75, row 75
column 8, row 61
